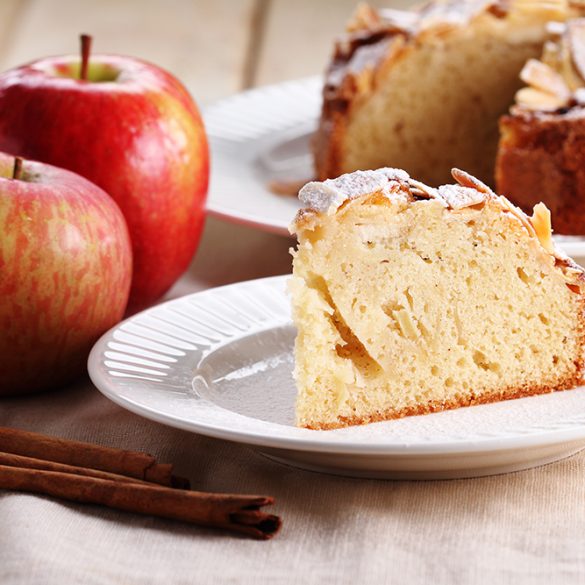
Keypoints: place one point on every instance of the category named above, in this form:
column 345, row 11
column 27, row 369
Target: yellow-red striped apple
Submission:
column 65, row 273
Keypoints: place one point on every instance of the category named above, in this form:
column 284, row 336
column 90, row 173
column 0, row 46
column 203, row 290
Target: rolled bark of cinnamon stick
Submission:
column 11, row 460
column 239, row 513
column 119, row 461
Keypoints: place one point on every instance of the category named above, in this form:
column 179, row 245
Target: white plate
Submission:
column 263, row 135
column 219, row 363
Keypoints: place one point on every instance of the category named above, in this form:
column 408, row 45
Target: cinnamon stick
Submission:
column 238, row 513
column 119, row 461
column 11, row 460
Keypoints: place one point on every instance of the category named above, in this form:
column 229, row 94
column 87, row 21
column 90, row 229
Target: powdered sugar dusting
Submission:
column 422, row 190
column 458, row 197
column 394, row 174
column 327, row 196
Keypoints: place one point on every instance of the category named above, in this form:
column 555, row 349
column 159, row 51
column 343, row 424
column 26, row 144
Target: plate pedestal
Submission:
column 434, row 467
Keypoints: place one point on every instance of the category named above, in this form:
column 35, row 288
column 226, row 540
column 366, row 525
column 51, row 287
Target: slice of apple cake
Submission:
column 410, row 299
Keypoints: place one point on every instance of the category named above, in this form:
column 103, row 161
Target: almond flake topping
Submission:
column 544, row 78
column 556, row 28
column 536, row 100
column 554, row 82
column 364, row 18
column 542, row 226
column 518, row 214
column 467, row 180
column 426, row 191
column 579, row 96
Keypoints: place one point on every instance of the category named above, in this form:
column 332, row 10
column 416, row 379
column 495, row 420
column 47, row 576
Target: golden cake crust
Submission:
column 507, row 394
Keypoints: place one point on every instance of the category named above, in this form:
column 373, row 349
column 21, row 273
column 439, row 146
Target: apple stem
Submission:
column 17, row 169
column 85, row 51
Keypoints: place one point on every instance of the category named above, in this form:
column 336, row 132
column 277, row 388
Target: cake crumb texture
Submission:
column 406, row 303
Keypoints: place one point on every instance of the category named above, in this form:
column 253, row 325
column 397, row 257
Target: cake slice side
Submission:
column 409, row 299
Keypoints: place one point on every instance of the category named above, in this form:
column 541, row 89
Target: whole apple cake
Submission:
column 410, row 299
column 424, row 90
column 542, row 146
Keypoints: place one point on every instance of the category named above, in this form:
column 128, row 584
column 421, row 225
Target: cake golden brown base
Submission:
column 506, row 394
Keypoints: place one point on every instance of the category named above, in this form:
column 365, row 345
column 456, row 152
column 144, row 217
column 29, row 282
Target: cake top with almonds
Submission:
column 326, row 198
column 557, row 80
column 370, row 30
column 449, row 14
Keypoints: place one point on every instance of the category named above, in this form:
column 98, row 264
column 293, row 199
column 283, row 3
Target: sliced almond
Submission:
column 427, row 191
column 467, row 180
column 537, row 100
column 545, row 78
column 542, row 226
column 565, row 65
column 404, row 320
column 576, row 36
column 518, row 214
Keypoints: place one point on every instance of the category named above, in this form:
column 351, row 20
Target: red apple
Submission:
column 65, row 273
column 132, row 129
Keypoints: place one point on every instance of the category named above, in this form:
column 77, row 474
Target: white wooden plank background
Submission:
column 204, row 43
column 216, row 47
column 298, row 36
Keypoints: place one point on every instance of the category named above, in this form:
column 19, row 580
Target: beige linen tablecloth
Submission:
column 525, row 527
